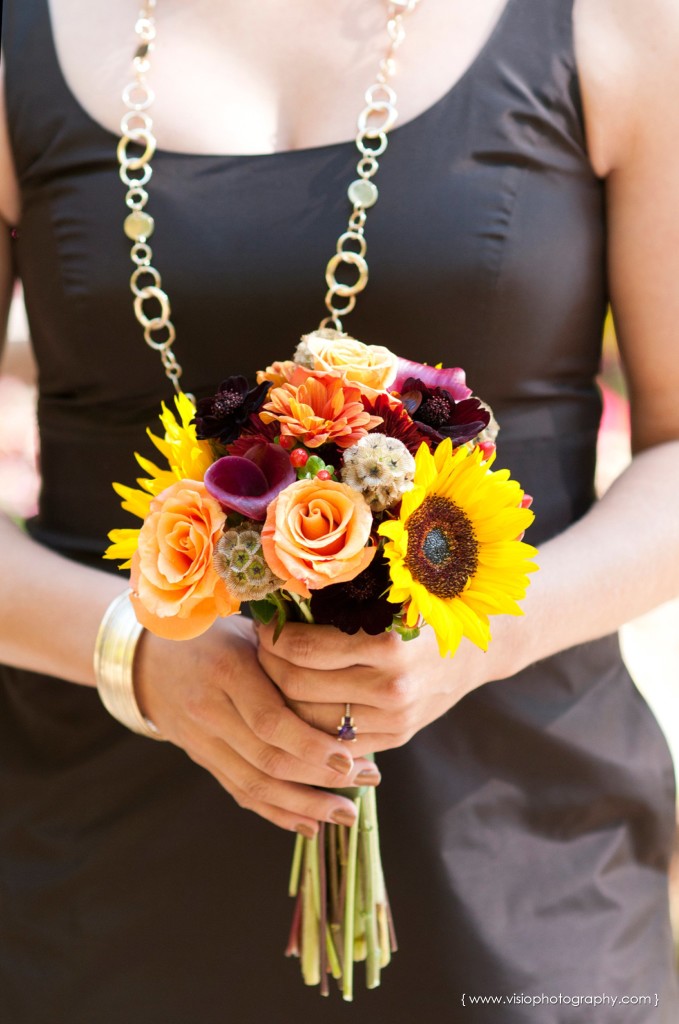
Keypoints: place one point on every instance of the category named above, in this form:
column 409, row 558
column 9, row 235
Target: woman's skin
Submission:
column 258, row 78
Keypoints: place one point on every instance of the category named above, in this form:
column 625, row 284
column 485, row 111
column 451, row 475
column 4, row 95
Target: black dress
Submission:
column 526, row 834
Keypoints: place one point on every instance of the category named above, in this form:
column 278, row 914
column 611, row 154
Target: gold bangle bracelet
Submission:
column 114, row 652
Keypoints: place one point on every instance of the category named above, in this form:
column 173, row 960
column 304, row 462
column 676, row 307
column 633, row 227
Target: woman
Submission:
column 527, row 830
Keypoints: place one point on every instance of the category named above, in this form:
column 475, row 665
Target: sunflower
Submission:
column 453, row 554
column 187, row 459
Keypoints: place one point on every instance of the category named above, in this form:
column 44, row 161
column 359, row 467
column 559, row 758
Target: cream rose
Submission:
column 315, row 534
column 372, row 367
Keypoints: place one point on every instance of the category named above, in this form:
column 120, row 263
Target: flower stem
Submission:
column 348, row 979
column 293, row 885
column 323, row 916
column 368, row 872
column 293, row 946
column 303, row 607
column 333, row 956
column 310, row 946
column 333, row 872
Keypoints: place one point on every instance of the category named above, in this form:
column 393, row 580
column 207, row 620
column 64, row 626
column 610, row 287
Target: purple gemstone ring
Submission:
column 346, row 730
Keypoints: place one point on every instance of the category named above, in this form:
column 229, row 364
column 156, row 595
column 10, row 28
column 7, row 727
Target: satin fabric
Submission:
column 527, row 833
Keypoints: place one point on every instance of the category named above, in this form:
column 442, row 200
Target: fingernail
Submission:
column 340, row 763
column 306, row 831
column 369, row 777
column 342, row 817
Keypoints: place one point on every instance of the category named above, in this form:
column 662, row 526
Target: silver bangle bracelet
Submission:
column 114, row 652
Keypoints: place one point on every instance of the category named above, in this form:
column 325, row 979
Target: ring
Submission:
column 346, row 730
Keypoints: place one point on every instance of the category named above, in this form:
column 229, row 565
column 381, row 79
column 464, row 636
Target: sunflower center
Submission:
column 435, row 546
column 442, row 546
column 435, row 412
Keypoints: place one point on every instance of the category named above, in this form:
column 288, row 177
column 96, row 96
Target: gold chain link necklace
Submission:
column 374, row 122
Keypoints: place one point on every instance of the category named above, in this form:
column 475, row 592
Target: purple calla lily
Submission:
column 452, row 379
column 249, row 483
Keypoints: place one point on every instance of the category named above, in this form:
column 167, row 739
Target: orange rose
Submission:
column 315, row 534
column 176, row 592
column 371, row 367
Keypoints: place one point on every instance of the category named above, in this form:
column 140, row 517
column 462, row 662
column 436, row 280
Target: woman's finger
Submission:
column 375, row 730
column 367, row 719
column 325, row 686
column 264, row 711
column 225, row 721
column 293, row 803
column 325, row 647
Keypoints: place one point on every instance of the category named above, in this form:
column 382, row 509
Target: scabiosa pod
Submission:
column 381, row 468
column 239, row 561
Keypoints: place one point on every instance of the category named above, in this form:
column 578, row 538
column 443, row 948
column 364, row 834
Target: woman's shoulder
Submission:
column 628, row 59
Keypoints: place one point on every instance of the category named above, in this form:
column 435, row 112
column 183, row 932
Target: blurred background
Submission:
column 650, row 644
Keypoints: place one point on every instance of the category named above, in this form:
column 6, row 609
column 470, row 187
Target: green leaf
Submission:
column 263, row 611
column 280, row 622
column 407, row 634
column 235, row 519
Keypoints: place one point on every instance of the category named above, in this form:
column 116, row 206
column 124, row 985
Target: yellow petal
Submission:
column 134, row 501
column 123, row 545
column 392, row 528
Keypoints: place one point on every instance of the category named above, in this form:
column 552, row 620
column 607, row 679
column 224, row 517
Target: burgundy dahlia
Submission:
column 224, row 415
column 253, row 432
column 436, row 413
column 396, row 423
column 359, row 604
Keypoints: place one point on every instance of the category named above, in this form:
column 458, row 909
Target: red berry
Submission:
column 286, row 442
column 299, row 457
column 322, row 474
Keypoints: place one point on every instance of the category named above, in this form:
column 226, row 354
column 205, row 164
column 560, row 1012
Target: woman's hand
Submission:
column 394, row 688
column 210, row 697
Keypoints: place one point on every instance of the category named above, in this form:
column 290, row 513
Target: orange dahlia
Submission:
column 315, row 408
column 278, row 373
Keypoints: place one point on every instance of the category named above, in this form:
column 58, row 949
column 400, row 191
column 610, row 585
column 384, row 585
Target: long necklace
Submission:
column 374, row 122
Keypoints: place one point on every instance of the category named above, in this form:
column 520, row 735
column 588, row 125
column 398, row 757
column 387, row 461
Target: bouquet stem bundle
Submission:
column 342, row 912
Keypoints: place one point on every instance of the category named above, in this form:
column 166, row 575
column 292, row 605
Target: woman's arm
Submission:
column 9, row 214
column 622, row 558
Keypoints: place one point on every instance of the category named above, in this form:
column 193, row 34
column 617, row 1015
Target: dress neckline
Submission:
column 479, row 58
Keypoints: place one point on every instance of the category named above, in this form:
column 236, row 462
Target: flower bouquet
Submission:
column 347, row 487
